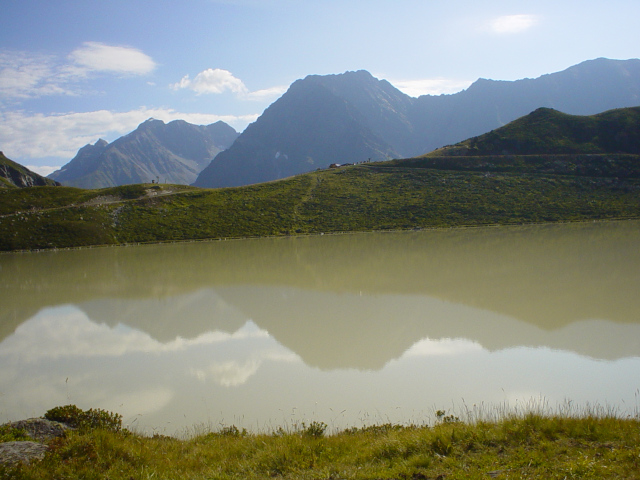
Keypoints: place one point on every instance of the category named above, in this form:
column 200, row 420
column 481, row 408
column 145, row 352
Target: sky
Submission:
column 75, row 71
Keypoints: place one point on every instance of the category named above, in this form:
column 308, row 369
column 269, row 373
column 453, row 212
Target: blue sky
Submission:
column 74, row 71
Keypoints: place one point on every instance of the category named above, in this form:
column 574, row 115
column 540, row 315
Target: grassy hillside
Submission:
column 547, row 131
column 377, row 196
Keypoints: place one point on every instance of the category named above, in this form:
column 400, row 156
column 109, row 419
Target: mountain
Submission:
column 175, row 153
column 588, row 88
column 14, row 175
column 353, row 117
column 320, row 120
column 547, row 131
column 309, row 127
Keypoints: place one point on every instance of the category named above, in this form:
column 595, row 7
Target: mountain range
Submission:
column 567, row 168
column 354, row 117
column 346, row 118
column 175, row 152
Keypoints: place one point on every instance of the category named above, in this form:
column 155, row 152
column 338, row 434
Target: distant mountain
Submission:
column 175, row 153
column 317, row 122
column 547, row 131
column 14, row 175
column 352, row 117
column 320, row 120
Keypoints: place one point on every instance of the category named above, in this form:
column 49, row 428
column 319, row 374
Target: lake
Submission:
column 349, row 330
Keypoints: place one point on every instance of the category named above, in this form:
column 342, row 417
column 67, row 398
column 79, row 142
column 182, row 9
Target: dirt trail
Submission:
column 98, row 201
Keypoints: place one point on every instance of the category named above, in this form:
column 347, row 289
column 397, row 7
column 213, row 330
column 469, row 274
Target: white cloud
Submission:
column 212, row 80
column 445, row 346
column 67, row 332
column 31, row 136
column 267, row 93
column 228, row 374
column 217, row 81
column 231, row 373
column 430, row 86
column 94, row 56
column 43, row 170
column 509, row 24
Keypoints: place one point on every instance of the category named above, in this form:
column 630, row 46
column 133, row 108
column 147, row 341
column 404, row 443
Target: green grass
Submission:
column 379, row 196
column 532, row 445
column 547, row 131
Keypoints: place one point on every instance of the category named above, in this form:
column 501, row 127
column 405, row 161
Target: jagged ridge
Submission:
column 175, row 153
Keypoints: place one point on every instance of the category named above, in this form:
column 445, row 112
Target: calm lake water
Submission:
column 349, row 330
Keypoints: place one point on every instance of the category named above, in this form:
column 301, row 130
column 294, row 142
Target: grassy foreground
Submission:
column 415, row 193
column 529, row 446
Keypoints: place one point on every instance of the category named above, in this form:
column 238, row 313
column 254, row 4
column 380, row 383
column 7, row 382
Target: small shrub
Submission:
column 314, row 429
column 382, row 429
column 91, row 419
column 68, row 414
column 10, row 434
column 232, row 431
column 444, row 418
column 97, row 418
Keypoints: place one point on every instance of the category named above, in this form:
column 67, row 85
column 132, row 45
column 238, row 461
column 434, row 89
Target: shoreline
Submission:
column 302, row 235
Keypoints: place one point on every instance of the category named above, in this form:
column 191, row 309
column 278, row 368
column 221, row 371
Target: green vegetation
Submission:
column 530, row 445
column 404, row 194
column 545, row 167
column 547, row 131
column 10, row 434
column 85, row 420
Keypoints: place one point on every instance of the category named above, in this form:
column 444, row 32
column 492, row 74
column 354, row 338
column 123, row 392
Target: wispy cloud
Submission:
column 510, row 24
column 430, row 86
column 27, row 75
column 98, row 57
column 217, row 81
column 24, row 75
column 267, row 93
column 31, row 136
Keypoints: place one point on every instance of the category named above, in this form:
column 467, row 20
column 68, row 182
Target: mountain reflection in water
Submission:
column 160, row 320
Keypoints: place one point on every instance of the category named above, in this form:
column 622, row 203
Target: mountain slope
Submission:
column 14, row 175
column 352, row 117
column 175, row 152
column 547, row 131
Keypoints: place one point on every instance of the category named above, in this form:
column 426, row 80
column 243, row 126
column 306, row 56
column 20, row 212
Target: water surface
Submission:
column 348, row 329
